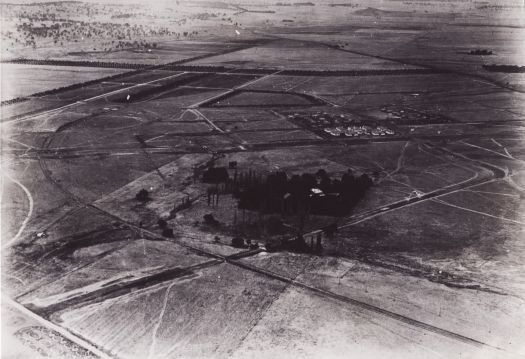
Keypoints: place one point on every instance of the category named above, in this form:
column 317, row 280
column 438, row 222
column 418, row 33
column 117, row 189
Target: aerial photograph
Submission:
column 266, row 179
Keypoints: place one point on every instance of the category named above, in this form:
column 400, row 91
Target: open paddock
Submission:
column 225, row 81
column 366, row 102
column 201, row 143
column 375, row 156
column 308, row 159
column 276, row 136
column 477, row 150
column 157, row 88
column 84, row 92
column 108, row 121
column 367, row 283
column 50, row 123
column 185, row 97
column 132, row 261
column 286, row 54
column 245, row 98
column 78, row 176
column 237, row 114
column 166, row 52
column 424, row 244
column 41, row 203
column 29, row 107
column 25, row 80
column 28, row 266
column 319, row 322
column 281, row 83
column 154, row 130
column 143, row 76
column 142, row 322
column 270, row 124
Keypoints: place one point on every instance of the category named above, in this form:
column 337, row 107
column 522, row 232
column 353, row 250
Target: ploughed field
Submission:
column 427, row 263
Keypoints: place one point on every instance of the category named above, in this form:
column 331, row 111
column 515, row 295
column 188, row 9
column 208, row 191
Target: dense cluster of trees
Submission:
column 277, row 193
column 216, row 175
column 116, row 35
column 60, row 23
column 312, row 193
column 128, row 27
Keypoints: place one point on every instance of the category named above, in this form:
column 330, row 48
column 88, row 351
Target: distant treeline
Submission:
column 73, row 63
column 13, row 101
column 344, row 5
column 505, row 68
column 480, row 52
column 177, row 66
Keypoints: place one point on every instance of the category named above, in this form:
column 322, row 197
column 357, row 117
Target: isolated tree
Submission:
column 210, row 220
column 167, row 232
column 142, row 196
column 162, row 223
column 238, row 242
column 215, row 175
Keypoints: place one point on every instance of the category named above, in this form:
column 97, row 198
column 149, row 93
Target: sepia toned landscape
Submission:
column 262, row 179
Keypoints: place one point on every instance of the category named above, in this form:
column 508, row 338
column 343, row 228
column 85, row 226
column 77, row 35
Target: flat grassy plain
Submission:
column 298, row 55
column 303, row 323
column 169, row 51
column 142, row 323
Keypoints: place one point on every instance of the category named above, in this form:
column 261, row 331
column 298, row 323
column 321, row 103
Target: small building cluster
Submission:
column 358, row 131
column 339, row 125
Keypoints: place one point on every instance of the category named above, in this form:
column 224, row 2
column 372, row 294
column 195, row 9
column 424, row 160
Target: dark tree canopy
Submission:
column 210, row 220
column 167, row 232
column 215, row 175
column 162, row 223
column 317, row 193
column 142, row 196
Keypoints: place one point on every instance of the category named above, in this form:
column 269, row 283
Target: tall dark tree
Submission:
column 142, row 195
